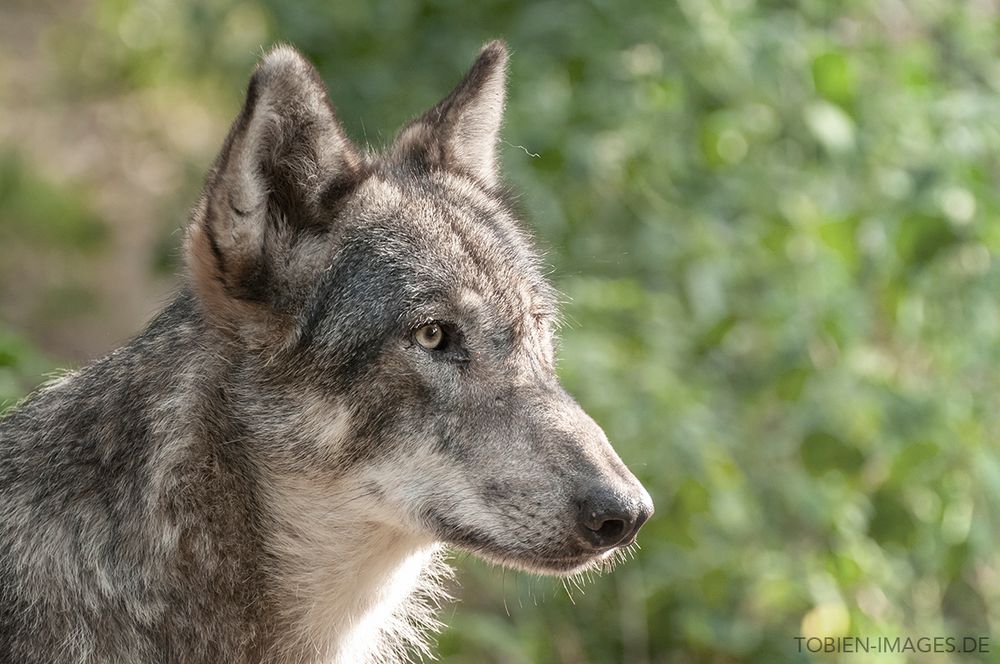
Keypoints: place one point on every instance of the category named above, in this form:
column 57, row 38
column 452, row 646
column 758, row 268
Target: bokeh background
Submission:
column 775, row 223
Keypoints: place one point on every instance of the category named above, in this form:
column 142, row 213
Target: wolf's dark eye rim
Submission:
column 442, row 340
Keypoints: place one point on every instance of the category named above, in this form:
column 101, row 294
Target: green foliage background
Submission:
column 775, row 224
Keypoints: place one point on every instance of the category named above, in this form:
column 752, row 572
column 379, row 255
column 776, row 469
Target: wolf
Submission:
column 357, row 371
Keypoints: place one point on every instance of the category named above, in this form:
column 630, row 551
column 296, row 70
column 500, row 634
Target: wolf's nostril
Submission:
column 606, row 520
column 611, row 530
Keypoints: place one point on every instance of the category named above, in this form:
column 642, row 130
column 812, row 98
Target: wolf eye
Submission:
column 430, row 336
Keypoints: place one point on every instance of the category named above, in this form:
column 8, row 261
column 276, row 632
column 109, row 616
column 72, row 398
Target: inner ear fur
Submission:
column 269, row 199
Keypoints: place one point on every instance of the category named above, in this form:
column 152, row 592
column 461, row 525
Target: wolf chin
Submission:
column 357, row 372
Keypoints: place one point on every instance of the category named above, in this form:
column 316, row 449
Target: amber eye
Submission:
column 430, row 336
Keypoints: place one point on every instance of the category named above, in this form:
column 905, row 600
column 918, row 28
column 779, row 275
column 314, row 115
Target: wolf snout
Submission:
column 608, row 518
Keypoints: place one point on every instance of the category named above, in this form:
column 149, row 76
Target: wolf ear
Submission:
column 269, row 196
column 460, row 133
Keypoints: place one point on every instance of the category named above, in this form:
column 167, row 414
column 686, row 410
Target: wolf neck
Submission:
column 334, row 587
column 347, row 589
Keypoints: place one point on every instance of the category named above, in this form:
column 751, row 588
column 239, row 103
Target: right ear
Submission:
column 460, row 133
column 254, row 238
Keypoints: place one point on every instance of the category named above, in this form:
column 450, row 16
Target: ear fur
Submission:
column 283, row 166
column 460, row 133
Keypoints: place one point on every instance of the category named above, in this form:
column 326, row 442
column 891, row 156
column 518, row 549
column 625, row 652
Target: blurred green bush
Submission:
column 775, row 224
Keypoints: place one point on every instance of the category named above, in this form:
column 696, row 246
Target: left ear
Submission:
column 460, row 133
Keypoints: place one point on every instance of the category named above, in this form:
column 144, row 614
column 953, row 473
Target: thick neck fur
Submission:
column 349, row 589
column 193, row 549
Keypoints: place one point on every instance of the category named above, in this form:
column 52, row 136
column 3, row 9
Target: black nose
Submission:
column 608, row 519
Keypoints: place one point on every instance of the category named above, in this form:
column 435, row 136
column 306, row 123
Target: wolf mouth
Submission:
column 562, row 560
column 531, row 562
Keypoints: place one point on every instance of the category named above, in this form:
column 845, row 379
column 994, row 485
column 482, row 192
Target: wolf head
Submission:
column 387, row 322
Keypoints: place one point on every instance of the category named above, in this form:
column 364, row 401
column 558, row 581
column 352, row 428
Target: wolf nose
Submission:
column 607, row 519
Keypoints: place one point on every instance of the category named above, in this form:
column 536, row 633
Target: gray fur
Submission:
column 268, row 471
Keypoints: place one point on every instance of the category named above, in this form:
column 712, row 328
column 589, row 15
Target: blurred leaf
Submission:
column 35, row 209
column 834, row 76
column 891, row 522
column 822, row 452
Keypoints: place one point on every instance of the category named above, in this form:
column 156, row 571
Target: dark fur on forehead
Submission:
column 407, row 248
